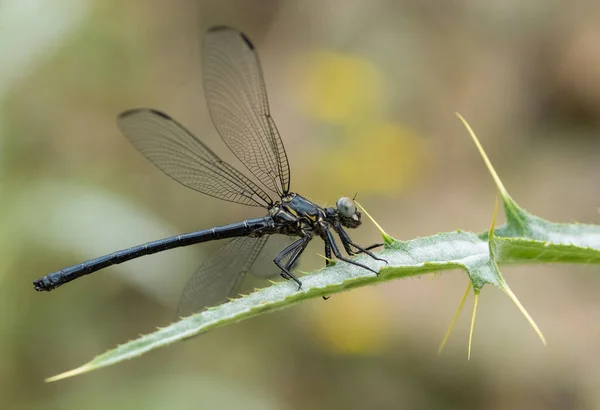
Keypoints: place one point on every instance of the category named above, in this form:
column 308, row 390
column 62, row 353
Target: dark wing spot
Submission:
column 226, row 28
column 128, row 113
column 161, row 114
column 218, row 28
column 247, row 41
column 134, row 111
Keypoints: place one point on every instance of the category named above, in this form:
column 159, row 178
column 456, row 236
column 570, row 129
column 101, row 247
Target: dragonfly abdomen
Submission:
column 245, row 228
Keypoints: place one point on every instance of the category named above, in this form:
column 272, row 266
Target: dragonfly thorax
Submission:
column 296, row 215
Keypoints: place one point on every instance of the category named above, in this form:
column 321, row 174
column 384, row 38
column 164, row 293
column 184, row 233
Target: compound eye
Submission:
column 346, row 207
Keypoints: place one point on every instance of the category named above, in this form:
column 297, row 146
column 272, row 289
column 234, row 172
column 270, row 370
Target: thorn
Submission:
column 331, row 261
column 453, row 322
column 493, row 226
column 491, row 233
column 487, row 161
column 475, row 300
column 386, row 238
column 509, row 204
column 512, row 296
column 504, row 286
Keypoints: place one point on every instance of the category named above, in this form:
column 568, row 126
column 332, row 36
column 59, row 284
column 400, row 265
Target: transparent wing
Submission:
column 183, row 157
column 237, row 100
column 263, row 266
column 221, row 275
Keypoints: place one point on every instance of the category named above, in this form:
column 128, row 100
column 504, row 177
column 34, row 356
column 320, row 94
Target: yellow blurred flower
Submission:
column 371, row 152
column 383, row 157
column 339, row 88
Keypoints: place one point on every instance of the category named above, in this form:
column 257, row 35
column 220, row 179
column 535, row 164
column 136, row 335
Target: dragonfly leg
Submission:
column 327, row 254
column 347, row 242
column 327, row 260
column 375, row 245
column 336, row 251
column 295, row 250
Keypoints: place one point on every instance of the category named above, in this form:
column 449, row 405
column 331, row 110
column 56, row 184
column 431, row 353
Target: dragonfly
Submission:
column 236, row 96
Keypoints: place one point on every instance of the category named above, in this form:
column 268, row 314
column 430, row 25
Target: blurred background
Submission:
column 364, row 95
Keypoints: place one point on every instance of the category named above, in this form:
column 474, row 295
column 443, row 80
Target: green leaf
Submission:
column 525, row 238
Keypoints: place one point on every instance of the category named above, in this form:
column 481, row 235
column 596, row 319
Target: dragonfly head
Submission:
column 348, row 212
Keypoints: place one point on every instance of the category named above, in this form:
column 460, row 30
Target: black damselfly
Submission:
column 237, row 100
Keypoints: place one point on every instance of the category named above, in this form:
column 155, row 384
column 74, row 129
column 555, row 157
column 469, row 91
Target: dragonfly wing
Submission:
column 186, row 159
column 220, row 275
column 237, row 100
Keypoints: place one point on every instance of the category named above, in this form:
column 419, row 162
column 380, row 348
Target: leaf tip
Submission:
column 71, row 373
